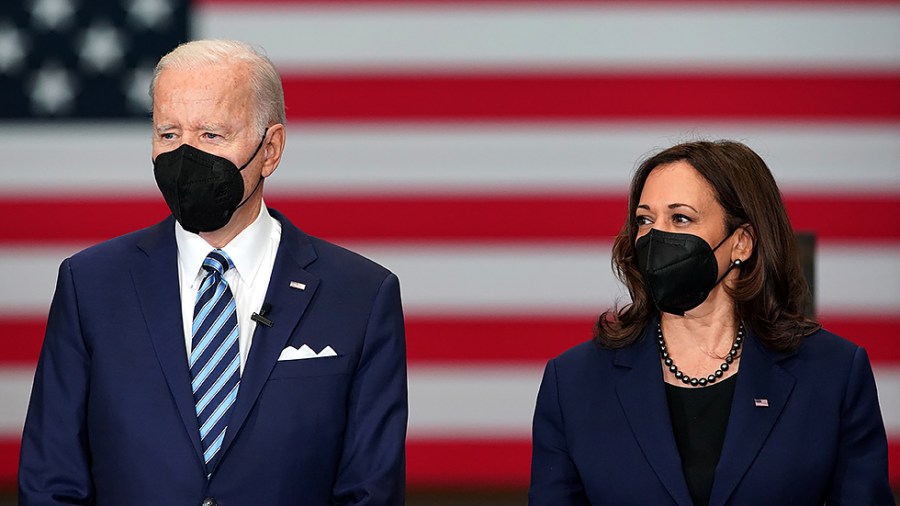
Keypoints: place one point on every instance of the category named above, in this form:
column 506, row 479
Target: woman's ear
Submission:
column 743, row 246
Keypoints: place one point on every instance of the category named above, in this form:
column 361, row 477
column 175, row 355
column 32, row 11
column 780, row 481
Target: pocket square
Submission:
column 304, row 352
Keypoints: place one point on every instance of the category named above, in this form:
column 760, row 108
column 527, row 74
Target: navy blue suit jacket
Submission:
column 111, row 419
column 603, row 435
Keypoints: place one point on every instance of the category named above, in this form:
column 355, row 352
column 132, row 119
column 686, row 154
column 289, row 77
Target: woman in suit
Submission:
column 711, row 387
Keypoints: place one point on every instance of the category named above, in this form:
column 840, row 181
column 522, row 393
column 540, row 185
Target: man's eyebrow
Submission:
column 213, row 127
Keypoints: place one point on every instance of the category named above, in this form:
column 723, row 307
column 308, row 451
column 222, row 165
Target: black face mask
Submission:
column 201, row 189
column 679, row 270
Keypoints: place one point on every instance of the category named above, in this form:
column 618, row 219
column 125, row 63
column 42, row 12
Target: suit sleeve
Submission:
column 54, row 466
column 554, row 478
column 373, row 463
column 861, row 471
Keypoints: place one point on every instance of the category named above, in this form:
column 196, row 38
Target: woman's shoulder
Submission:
column 578, row 353
column 823, row 343
column 826, row 351
column 591, row 357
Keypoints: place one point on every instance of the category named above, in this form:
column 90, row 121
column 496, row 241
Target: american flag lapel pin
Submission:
column 761, row 403
column 298, row 285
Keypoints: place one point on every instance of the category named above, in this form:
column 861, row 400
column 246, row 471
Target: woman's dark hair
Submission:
column 769, row 293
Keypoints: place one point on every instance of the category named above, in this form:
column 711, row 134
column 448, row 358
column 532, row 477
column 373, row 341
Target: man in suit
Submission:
column 221, row 356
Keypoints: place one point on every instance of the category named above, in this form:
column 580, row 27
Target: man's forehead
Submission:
column 204, row 81
column 208, row 95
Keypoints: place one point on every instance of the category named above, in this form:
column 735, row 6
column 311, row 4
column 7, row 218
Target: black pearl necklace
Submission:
column 699, row 382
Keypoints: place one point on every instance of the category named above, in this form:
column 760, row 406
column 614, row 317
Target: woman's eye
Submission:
column 642, row 220
column 681, row 219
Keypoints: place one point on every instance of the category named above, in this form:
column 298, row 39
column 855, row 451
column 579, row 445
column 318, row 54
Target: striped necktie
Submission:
column 214, row 359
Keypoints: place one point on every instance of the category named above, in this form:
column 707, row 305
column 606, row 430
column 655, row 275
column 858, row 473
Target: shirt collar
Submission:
column 246, row 249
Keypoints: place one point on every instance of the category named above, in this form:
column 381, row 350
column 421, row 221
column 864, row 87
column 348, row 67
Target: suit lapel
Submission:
column 642, row 395
column 155, row 277
column 760, row 377
column 295, row 252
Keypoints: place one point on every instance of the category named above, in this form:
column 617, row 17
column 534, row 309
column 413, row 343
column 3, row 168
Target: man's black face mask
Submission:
column 202, row 190
column 679, row 270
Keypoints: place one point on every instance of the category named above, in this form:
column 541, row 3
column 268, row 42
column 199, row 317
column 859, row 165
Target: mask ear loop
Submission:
column 728, row 236
column 734, row 263
column 256, row 152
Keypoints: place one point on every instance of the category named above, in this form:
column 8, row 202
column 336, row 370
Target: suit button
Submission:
column 209, row 501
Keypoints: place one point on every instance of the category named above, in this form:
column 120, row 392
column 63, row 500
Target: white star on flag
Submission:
column 137, row 87
column 52, row 14
column 101, row 47
column 54, row 90
column 150, row 13
column 12, row 47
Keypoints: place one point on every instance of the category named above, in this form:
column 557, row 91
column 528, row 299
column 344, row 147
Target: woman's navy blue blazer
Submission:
column 805, row 429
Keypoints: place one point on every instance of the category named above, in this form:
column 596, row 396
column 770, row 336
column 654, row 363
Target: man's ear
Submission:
column 272, row 149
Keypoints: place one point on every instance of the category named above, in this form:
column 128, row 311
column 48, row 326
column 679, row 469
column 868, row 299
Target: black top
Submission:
column 699, row 418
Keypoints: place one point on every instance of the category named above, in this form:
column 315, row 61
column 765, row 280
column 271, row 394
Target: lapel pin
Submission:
column 298, row 285
column 761, row 403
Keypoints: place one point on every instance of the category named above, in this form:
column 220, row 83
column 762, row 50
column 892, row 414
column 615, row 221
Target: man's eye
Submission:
column 167, row 136
column 210, row 135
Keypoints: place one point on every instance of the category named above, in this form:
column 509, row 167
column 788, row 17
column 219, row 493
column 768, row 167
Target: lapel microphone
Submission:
column 260, row 317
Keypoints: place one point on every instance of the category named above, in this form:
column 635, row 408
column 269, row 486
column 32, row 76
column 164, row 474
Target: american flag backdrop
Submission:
column 481, row 150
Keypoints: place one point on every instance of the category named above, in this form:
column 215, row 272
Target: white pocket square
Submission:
column 304, row 352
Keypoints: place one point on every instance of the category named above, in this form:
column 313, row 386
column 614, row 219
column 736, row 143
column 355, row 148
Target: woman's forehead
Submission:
column 676, row 182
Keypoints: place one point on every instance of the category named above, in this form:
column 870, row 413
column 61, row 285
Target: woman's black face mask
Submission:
column 679, row 270
column 202, row 190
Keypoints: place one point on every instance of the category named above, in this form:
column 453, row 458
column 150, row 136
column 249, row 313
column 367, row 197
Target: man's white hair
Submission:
column 265, row 83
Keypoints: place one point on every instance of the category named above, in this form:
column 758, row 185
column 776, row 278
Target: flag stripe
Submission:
column 509, row 35
column 9, row 461
column 513, row 279
column 443, row 396
column 95, row 160
column 649, row 3
column 497, row 339
column 517, row 218
column 619, row 97
column 478, row 463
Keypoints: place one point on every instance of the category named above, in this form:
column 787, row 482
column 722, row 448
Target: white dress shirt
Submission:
column 253, row 254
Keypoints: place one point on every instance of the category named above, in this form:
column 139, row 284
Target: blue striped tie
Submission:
column 214, row 359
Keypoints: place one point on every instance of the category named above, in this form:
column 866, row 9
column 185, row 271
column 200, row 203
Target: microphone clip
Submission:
column 260, row 317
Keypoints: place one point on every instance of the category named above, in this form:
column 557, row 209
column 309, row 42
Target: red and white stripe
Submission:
column 482, row 151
